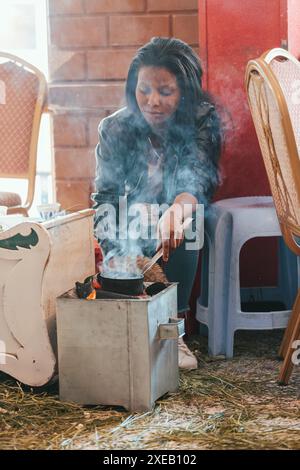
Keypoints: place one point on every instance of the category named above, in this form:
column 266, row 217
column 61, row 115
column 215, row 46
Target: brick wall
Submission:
column 91, row 44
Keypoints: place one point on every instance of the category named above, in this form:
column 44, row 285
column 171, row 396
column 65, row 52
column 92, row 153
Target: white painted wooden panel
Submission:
column 38, row 262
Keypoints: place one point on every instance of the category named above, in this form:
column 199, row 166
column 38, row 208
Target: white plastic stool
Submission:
column 230, row 223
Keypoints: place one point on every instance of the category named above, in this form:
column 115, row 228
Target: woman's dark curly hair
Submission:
column 180, row 59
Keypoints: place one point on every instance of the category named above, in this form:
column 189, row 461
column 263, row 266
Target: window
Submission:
column 23, row 32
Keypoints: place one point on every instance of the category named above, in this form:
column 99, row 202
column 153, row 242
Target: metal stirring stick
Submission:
column 152, row 261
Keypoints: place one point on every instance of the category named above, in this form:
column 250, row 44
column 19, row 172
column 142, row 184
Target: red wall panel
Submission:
column 233, row 33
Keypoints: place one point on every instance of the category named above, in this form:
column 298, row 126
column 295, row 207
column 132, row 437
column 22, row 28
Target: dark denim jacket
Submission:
column 191, row 157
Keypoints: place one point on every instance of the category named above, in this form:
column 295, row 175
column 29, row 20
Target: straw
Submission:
column 224, row 404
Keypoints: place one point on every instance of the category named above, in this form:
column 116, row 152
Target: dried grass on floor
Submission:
column 234, row 404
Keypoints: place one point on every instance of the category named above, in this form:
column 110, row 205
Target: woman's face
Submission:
column 157, row 94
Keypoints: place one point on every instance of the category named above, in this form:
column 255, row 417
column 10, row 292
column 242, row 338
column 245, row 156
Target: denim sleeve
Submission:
column 198, row 165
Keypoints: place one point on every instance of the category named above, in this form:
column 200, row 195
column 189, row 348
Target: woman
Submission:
column 162, row 148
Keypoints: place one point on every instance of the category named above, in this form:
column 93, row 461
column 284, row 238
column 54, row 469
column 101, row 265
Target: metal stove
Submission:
column 118, row 351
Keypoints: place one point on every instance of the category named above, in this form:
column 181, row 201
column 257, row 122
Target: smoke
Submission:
column 189, row 164
column 121, row 261
column 134, row 234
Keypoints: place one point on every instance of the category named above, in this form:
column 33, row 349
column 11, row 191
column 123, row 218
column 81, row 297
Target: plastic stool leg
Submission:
column 219, row 266
column 229, row 344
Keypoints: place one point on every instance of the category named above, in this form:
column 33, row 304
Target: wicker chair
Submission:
column 23, row 93
column 271, row 83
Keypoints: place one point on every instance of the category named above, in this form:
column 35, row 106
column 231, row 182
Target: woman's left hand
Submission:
column 170, row 230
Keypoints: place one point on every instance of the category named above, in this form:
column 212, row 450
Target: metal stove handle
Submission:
column 172, row 330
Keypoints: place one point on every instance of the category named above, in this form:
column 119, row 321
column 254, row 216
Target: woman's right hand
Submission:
column 170, row 231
